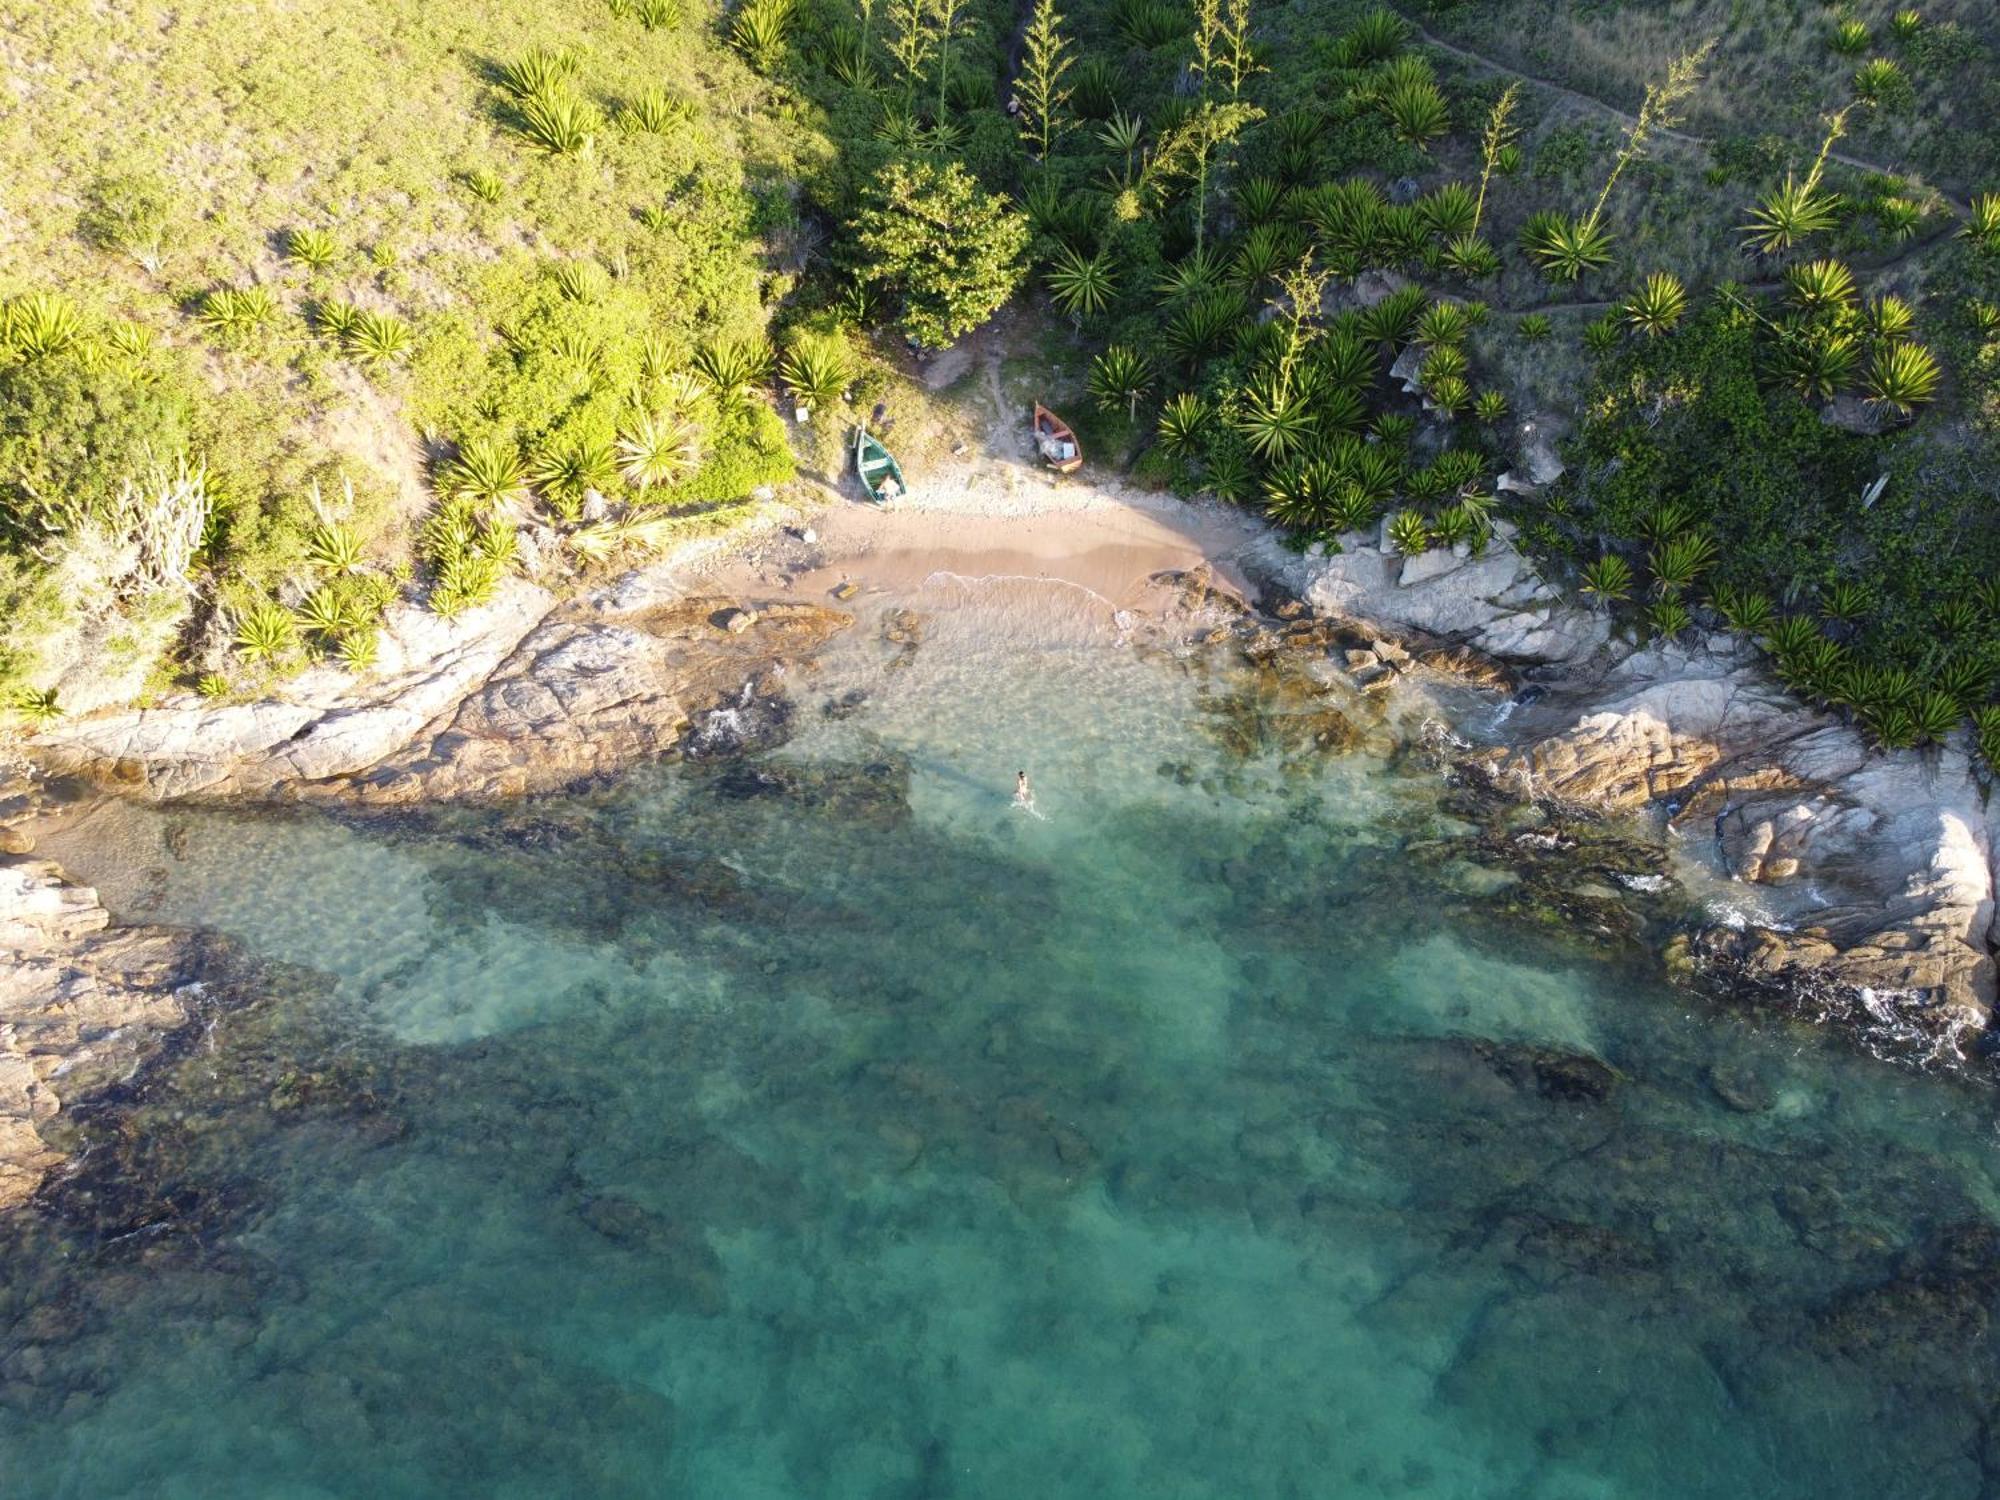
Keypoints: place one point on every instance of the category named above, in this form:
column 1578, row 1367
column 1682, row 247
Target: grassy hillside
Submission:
column 358, row 299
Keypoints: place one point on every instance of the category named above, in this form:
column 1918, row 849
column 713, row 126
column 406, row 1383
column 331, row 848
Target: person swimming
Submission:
column 1024, row 795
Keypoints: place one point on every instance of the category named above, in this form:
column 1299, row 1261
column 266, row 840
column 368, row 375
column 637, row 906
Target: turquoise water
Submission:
column 816, row 1125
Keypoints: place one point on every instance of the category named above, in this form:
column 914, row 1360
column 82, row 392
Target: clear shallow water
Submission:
column 818, row 1126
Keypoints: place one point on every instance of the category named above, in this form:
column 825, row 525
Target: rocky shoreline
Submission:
column 1874, row 872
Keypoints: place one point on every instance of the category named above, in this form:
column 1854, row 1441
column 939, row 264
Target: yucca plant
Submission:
column 1968, row 679
column 1081, row 285
column 1678, row 561
column 1417, row 111
column 359, row 648
column 760, row 29
column 38, row 706
column 1393, row 320
column 315, row 249
column 1450, row 394
column 1846, row 601
column 1442, row 325
column 487, row 473
column 1200, row 327
column 1449, row 209
column 484, row 184
column 1889, row 317
column 326, row 613
column 335, row 546
column 1982, row 225
column 654, row 112
column 1985, row 317
column 658, row 448
column 1094, row 88
column 1880, row 82
column 1276, row 423
column 565, row 473
column 560, row 124
column 1815, row 364
column 1376, row 37
column 1849, row 38
column 1905, row 24
column 128, row 344
column 1958, row 616
column 1149, row 23
column 1489, row 408
column 582, row 280
column 1266, row 252
column 1666, row 518
column 1608, row 579
column 1820, row 286
column 1260, row 200
column 1469, row 255
column 817, row 370
column 1533, row 327
column 538, row 73
column 1986, row 731
column 1442, row 363
column 378, row 339
column 212, row 685
column 729, row 367
column 1182, row 422
column 657, row 15
column 1935, row 715
column 1899, row 217
column 1902, row 377
column 1120, row 376
column 266, row 632
column 1744, row 612
column 1788, row 213
column 1565, row 247
column 235, row 314
column 1657, row 304
column 1409, row 533
column 1669, row 617
column 1791, row 635
column 1601, row 336
column 40, row 325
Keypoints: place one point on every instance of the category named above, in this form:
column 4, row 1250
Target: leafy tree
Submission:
column 951, row 250
column 1040, row 88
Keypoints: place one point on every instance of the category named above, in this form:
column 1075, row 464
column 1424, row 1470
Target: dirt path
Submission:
column 1492, row 65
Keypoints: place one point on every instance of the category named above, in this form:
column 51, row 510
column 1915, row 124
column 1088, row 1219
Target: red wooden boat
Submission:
column 1055, row 442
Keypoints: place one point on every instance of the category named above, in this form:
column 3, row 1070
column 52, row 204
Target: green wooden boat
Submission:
column 881, row 475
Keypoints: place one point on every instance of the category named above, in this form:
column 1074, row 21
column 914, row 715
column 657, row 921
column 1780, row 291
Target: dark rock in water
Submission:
column 877, row 793
column 1941, row 1300
column 681, row 1252
column 847, row 705
column 1740, row 1086
column 1566, row 1077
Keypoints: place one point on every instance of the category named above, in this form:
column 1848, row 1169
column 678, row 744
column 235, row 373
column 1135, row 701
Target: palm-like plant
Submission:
column 1565, row 247
column 1906, row 24
column 326, row 612
column 1203, row 325
column 1608, row 579
column 335, row 546
column 817, row 370
column 1936, row 715
column 1443, row 363
column 582, row 280
column 1820, row 286
column 266, row 632
column 1986, row 730
column 658, row 447
column 234, row 314
column 541, row 71
column 729, row 367
column 1182, row 422
column 1846, row 600
column 1393, row 320
column 1669, row 617
column 1889, row 317
column 654, row 112
column 1442, row 325
column 1266, row 252
column 1657, row 304
column 1259, row 200
column 1879, row 81
column 1120, row 376
column 1902, row 377
column 40, row 325
column 1791, row 635
column 560, row 124
column 566, row 473
column 1788, row 213
column 1409, row 533
column 1449, row 393
column 1745, row 613
column 1376, row 37
column 1489, row 408
column 1679, row 561
column 1850, row 37
column 1899, row 217
column 1471, row 257
column 1601, row 337
column 378, row 339
column 36, row 705
column 1082, row 286
column 1815, row 364
column 1276, row 423
column 760, row 29
column 1982, row 225
column 486, row 473
column 1958, row 616
column 1533, row 327
column 1448, row 211
column 484, row 184
column 1417, row 110
column 315, row 249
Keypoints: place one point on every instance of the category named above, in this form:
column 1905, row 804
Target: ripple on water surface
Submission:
column 827, row 1127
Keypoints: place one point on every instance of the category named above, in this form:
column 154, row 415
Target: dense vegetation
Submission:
column 1313, row 263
